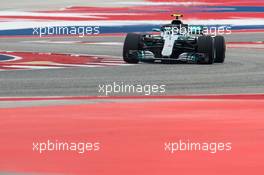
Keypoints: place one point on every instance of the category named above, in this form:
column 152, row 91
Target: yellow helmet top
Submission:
column 177, row 15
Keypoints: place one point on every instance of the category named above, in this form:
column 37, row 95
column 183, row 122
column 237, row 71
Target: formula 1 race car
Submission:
column 177, row 42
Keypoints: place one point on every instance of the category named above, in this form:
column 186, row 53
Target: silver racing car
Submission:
column 177, row 42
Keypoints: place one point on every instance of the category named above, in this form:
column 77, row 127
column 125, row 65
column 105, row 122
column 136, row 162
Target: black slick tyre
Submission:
column 132, row 43
column 205, row 44
column 220, row 49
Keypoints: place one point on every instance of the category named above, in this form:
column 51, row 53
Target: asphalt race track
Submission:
column 242, row 71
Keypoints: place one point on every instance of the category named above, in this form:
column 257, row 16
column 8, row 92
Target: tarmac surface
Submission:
column 242, row 71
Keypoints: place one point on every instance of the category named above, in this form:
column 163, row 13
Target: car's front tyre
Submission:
column 132, row 43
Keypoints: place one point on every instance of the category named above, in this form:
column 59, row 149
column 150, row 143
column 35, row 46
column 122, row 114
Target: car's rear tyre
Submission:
column 205, row 45
column 132, row 42
column 220, row 49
